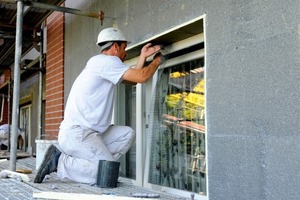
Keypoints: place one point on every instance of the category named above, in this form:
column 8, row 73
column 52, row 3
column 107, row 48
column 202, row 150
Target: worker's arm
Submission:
column 142, row 75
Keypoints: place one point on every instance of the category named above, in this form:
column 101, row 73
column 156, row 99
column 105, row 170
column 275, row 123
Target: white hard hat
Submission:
column 109, row 35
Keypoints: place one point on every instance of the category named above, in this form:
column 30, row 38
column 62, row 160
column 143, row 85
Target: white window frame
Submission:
column 142, row 164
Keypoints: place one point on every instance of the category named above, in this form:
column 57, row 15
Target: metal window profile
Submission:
column 180, row 43
column 197, row 39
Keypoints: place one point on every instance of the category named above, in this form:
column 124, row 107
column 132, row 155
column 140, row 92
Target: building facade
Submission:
column 220, row 117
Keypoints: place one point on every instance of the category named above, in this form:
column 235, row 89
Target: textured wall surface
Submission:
column 252, row 86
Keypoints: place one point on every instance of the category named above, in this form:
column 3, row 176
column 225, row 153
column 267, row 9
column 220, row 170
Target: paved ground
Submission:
column 13, row 189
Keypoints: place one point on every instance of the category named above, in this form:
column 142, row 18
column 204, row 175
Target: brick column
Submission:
column 54, row 73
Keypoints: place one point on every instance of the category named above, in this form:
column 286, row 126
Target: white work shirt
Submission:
column 90, row 102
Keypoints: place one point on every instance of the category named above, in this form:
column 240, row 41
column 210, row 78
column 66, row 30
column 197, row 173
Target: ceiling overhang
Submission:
column 32, row 20
column 169, row 37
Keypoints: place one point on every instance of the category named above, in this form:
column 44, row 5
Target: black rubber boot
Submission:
column 49, row 164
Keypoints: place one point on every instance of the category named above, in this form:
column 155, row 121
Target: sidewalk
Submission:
column 13, row 189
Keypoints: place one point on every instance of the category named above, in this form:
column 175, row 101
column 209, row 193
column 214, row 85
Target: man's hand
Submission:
column 149, row 50
column 146, row 51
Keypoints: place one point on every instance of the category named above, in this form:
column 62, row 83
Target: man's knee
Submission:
column 129, row 138
column 130, row 134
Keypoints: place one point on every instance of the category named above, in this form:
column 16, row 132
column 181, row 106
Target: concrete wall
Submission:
column 253, row 76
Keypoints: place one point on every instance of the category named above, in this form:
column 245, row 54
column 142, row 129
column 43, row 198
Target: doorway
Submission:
column 25, row 116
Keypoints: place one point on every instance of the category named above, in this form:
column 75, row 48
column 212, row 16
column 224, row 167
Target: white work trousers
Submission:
column 83, row 148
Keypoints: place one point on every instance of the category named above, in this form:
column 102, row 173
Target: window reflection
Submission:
column 178, row 128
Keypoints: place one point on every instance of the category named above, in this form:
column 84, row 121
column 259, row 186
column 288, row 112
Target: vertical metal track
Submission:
column 40, row 101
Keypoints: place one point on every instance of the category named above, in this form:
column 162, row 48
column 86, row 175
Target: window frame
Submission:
column 143, row 148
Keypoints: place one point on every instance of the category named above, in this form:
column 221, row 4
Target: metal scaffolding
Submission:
column 17, row 63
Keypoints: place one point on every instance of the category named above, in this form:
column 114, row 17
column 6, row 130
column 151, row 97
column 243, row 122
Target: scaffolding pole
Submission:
column 15, row 108
column 98, row 15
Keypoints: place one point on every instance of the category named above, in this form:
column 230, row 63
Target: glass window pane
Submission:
column 130, row 120
column 178, row 128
